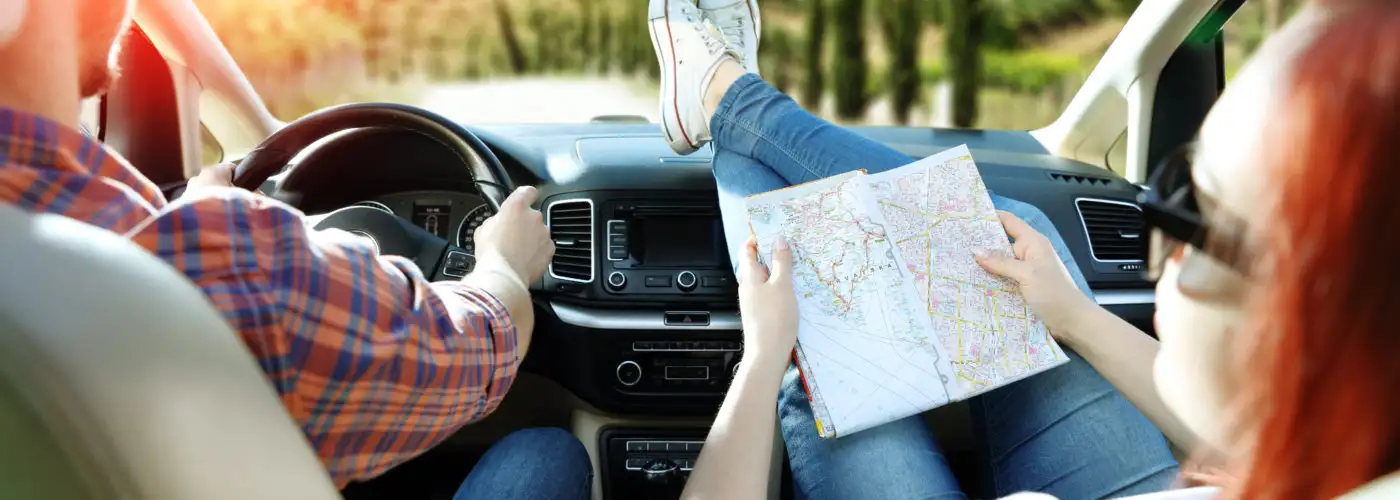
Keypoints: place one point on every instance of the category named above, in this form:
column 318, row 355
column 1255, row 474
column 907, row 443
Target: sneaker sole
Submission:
column 666, row 57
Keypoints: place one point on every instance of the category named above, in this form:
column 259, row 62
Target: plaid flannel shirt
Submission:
column 374, row 363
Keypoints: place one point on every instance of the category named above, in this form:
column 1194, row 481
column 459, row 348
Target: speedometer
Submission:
column 473, row 220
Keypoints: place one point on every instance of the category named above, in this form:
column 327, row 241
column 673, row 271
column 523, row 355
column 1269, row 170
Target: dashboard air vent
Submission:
column 1116, row 229
column 1079, row 179
column 571, row 227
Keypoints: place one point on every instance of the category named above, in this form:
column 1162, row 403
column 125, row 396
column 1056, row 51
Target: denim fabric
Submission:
column 532, row 464
column 1066, row 432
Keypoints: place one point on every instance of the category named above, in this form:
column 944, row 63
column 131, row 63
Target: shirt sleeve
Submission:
column 375, row 363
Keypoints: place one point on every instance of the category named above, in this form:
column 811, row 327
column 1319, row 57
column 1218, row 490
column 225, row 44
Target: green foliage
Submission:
column 811, row 47
column 775, row 57
column 849, row 65
column 1027, row 72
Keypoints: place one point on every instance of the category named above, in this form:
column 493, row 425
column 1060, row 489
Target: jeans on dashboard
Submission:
column 1066, row 432
column 532, row 464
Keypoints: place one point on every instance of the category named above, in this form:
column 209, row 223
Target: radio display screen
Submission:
column 679, row 241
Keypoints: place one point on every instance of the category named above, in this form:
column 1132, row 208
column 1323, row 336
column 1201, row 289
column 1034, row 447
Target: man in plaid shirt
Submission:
column 373, row 362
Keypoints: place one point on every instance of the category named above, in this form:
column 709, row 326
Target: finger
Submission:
column 222, row 171
column 781, row 262
column 523, row 197
column 1020, row 248
column 750, row 270
column 1000, row 265
column 1015, row 227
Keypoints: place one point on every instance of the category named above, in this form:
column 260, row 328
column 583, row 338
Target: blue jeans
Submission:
column 1065, row 432
column 533, row 464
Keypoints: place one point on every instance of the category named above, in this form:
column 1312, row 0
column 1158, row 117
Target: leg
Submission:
column 755, row 120
column 532, row 464
column 896, row 460
column 1067, row 432
column 1039, row 434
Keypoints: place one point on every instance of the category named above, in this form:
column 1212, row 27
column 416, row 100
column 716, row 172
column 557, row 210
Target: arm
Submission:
column 1124, row 356
column 374, row 363
column 1119, row 351
column 734, row 463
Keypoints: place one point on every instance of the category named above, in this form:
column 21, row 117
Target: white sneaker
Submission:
column 741, row 25
column 688, row 48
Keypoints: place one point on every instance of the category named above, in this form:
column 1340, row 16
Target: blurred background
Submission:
column 992, row 64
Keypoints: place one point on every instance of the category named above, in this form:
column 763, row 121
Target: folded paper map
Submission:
column 895, row 315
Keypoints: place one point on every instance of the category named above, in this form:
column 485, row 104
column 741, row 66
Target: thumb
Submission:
column 750, row 270
column 999, row 264
column 523, row 197
column 781, row 265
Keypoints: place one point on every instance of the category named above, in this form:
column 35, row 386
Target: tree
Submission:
column 963, row 56
column 812, row 84
column 514, row 52
column 903, row 24
column 849, row 67
column 1273, row 15
column 603, row 46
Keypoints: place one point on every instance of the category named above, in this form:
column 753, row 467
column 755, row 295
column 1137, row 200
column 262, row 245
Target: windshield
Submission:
column 994, row 64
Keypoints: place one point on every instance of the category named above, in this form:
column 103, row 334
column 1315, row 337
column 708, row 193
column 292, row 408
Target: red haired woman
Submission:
column 1277, row 299
column 1277, row 296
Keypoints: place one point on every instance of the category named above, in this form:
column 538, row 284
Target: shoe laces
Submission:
column 713, row 37
column 733, row 31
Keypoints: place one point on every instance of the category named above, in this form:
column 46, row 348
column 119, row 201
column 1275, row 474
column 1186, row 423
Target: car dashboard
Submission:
column 638, row 312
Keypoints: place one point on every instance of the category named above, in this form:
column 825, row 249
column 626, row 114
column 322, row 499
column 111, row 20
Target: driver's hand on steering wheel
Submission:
column 217, row 176
column 516, row 237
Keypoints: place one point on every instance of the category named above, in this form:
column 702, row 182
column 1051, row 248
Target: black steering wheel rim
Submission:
column 270, row 157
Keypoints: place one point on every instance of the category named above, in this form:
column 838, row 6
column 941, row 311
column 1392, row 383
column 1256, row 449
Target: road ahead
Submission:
column 539, row 100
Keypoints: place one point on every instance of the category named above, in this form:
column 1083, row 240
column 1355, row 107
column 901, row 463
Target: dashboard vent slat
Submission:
column 1116, row 230
column 1086, row 180
column 571, row 227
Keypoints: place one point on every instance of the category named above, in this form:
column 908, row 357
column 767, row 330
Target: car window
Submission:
column 1248, row 28
column 90, row 119
column 210, row 152
column 532, row 61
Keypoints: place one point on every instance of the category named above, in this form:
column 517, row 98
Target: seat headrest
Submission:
column 121, row 380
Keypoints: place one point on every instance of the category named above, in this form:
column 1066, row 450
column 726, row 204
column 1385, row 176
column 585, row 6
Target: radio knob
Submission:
column 617, row 280
column 686, row 280
column 629, row 373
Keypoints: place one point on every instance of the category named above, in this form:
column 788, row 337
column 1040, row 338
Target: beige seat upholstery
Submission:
column 119, row 380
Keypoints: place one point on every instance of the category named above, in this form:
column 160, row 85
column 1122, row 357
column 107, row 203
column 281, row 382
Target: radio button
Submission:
column 655, row 281
column 715, row 281
column 617, row 280
column 629, row 373
column 686, row 280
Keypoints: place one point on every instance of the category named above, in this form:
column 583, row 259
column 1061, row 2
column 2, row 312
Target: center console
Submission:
column 664, row 248
column 642, row 307
column 643, row 292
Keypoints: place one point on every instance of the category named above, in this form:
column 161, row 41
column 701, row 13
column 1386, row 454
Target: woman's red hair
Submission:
column 1322, row 386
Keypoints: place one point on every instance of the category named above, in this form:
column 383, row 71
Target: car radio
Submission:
column 664, row 247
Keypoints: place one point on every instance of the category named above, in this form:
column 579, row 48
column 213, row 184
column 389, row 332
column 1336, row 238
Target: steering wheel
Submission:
column 392, row 235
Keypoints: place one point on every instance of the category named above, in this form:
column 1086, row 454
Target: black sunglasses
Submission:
column 1173, row 208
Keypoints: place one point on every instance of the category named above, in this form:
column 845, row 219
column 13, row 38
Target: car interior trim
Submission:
column 635, row 319
column 592, row 227
column 1084, row 224
column 1146, row 296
